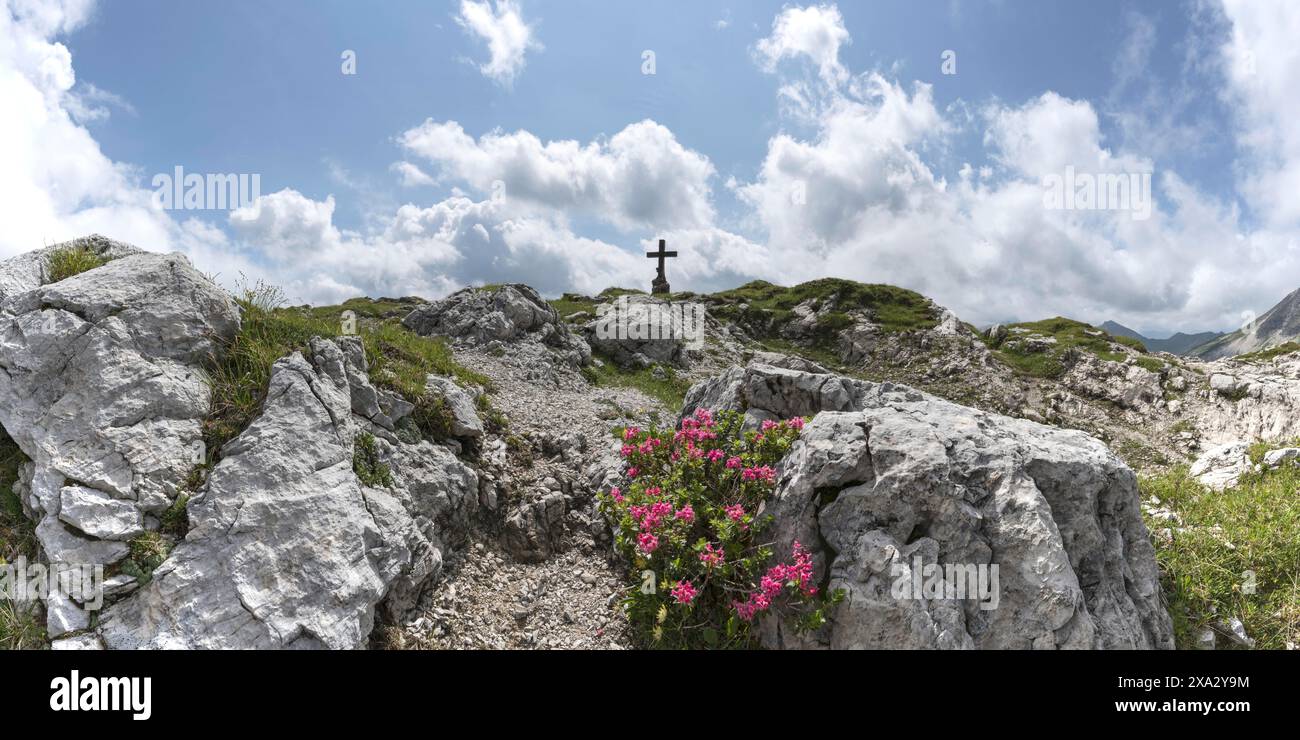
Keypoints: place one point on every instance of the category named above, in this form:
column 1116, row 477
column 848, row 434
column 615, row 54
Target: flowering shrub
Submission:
column 687, row 517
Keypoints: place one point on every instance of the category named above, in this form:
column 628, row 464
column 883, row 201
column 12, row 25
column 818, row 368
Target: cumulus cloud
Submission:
column 1261, row 62
column 815, row 33
column 508, row 37
column 56, row 183
column 642, row 177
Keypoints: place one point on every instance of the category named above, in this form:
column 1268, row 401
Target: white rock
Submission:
column 285, row 549
column 885, row 475
column 1222, row 466
column 1276, row 458
column 100, row 515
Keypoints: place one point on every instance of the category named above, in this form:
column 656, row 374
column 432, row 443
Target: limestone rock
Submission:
column 465, row 422
column 886, row 478
column 509, row 314
column 1221, row 467
column 286, row 549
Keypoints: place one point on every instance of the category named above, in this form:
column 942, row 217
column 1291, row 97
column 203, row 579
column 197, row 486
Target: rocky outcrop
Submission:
column 103, row 389
column 637, row 331
column 495, row 317
column 286, row 548
column 1126, row 385
column 886, row 480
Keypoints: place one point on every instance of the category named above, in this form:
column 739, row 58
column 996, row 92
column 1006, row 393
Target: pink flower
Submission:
column 647, row 542
column 735, row 512
column 631, row 472
column 652, row 491
column 712, row 557
column 686, row 514
column 768, row 424
column 627, row 450
column 616, row 495
column 765, row 473
column 797, row 422
column 716, row 455
column 684, row 592
column 733, row 462
column 630, row 432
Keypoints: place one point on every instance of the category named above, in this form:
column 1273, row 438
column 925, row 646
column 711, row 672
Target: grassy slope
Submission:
column 1265, row 355
column 1251, row 527
column 1069, row 334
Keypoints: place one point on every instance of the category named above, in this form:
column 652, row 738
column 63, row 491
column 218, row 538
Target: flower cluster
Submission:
column 796, row 576
column 690, row 513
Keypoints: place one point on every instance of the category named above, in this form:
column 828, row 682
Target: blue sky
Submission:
column 911, row 176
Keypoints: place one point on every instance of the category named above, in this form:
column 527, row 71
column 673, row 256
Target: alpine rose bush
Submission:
column 688, row 518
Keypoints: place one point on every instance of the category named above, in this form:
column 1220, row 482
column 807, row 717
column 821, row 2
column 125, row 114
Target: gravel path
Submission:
column 488, row 600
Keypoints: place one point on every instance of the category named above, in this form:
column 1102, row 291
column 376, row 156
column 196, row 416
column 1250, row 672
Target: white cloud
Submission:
column 642, row 177
column 509, row 38
column 56, row 182
column 1261, row 62
column 815, row 32
column 412, row 175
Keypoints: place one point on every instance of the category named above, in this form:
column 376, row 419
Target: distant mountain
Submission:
column 1179, row 344
column 1280, row 324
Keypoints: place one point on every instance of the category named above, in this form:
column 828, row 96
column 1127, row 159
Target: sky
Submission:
column 413, row 148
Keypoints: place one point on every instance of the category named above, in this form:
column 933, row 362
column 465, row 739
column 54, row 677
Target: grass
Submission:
column 20, row 627
column 1249, row 528
column 1265, row 355
column 148, row 551
column 571, row 303
column 670, row 390
column 1069, row 334
column 175, row 521
column 1150, row 364
column 365, row 463
column 69, row 261
column 400, row 360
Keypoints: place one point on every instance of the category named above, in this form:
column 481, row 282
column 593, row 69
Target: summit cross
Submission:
column 660, row 283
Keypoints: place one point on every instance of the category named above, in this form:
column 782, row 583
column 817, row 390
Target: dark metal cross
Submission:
column 661, row 254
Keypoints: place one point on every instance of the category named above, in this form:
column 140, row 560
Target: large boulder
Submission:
column 886, row 480
column 104, row 390
column 508, row 314
column 637, row 331
column 286, row 548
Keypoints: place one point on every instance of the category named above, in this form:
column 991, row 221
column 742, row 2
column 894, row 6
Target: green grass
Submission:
column 571, row 303
column 175, row 521
column 399, row 359
column 1069, row 334
column 365, row 463
column 148, row 551
column 1265, row 355
column 20, row 628
column 669, row 390
column 1150, row 364
column 69, row 261
column 1260, row 518
column 1131, row 342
